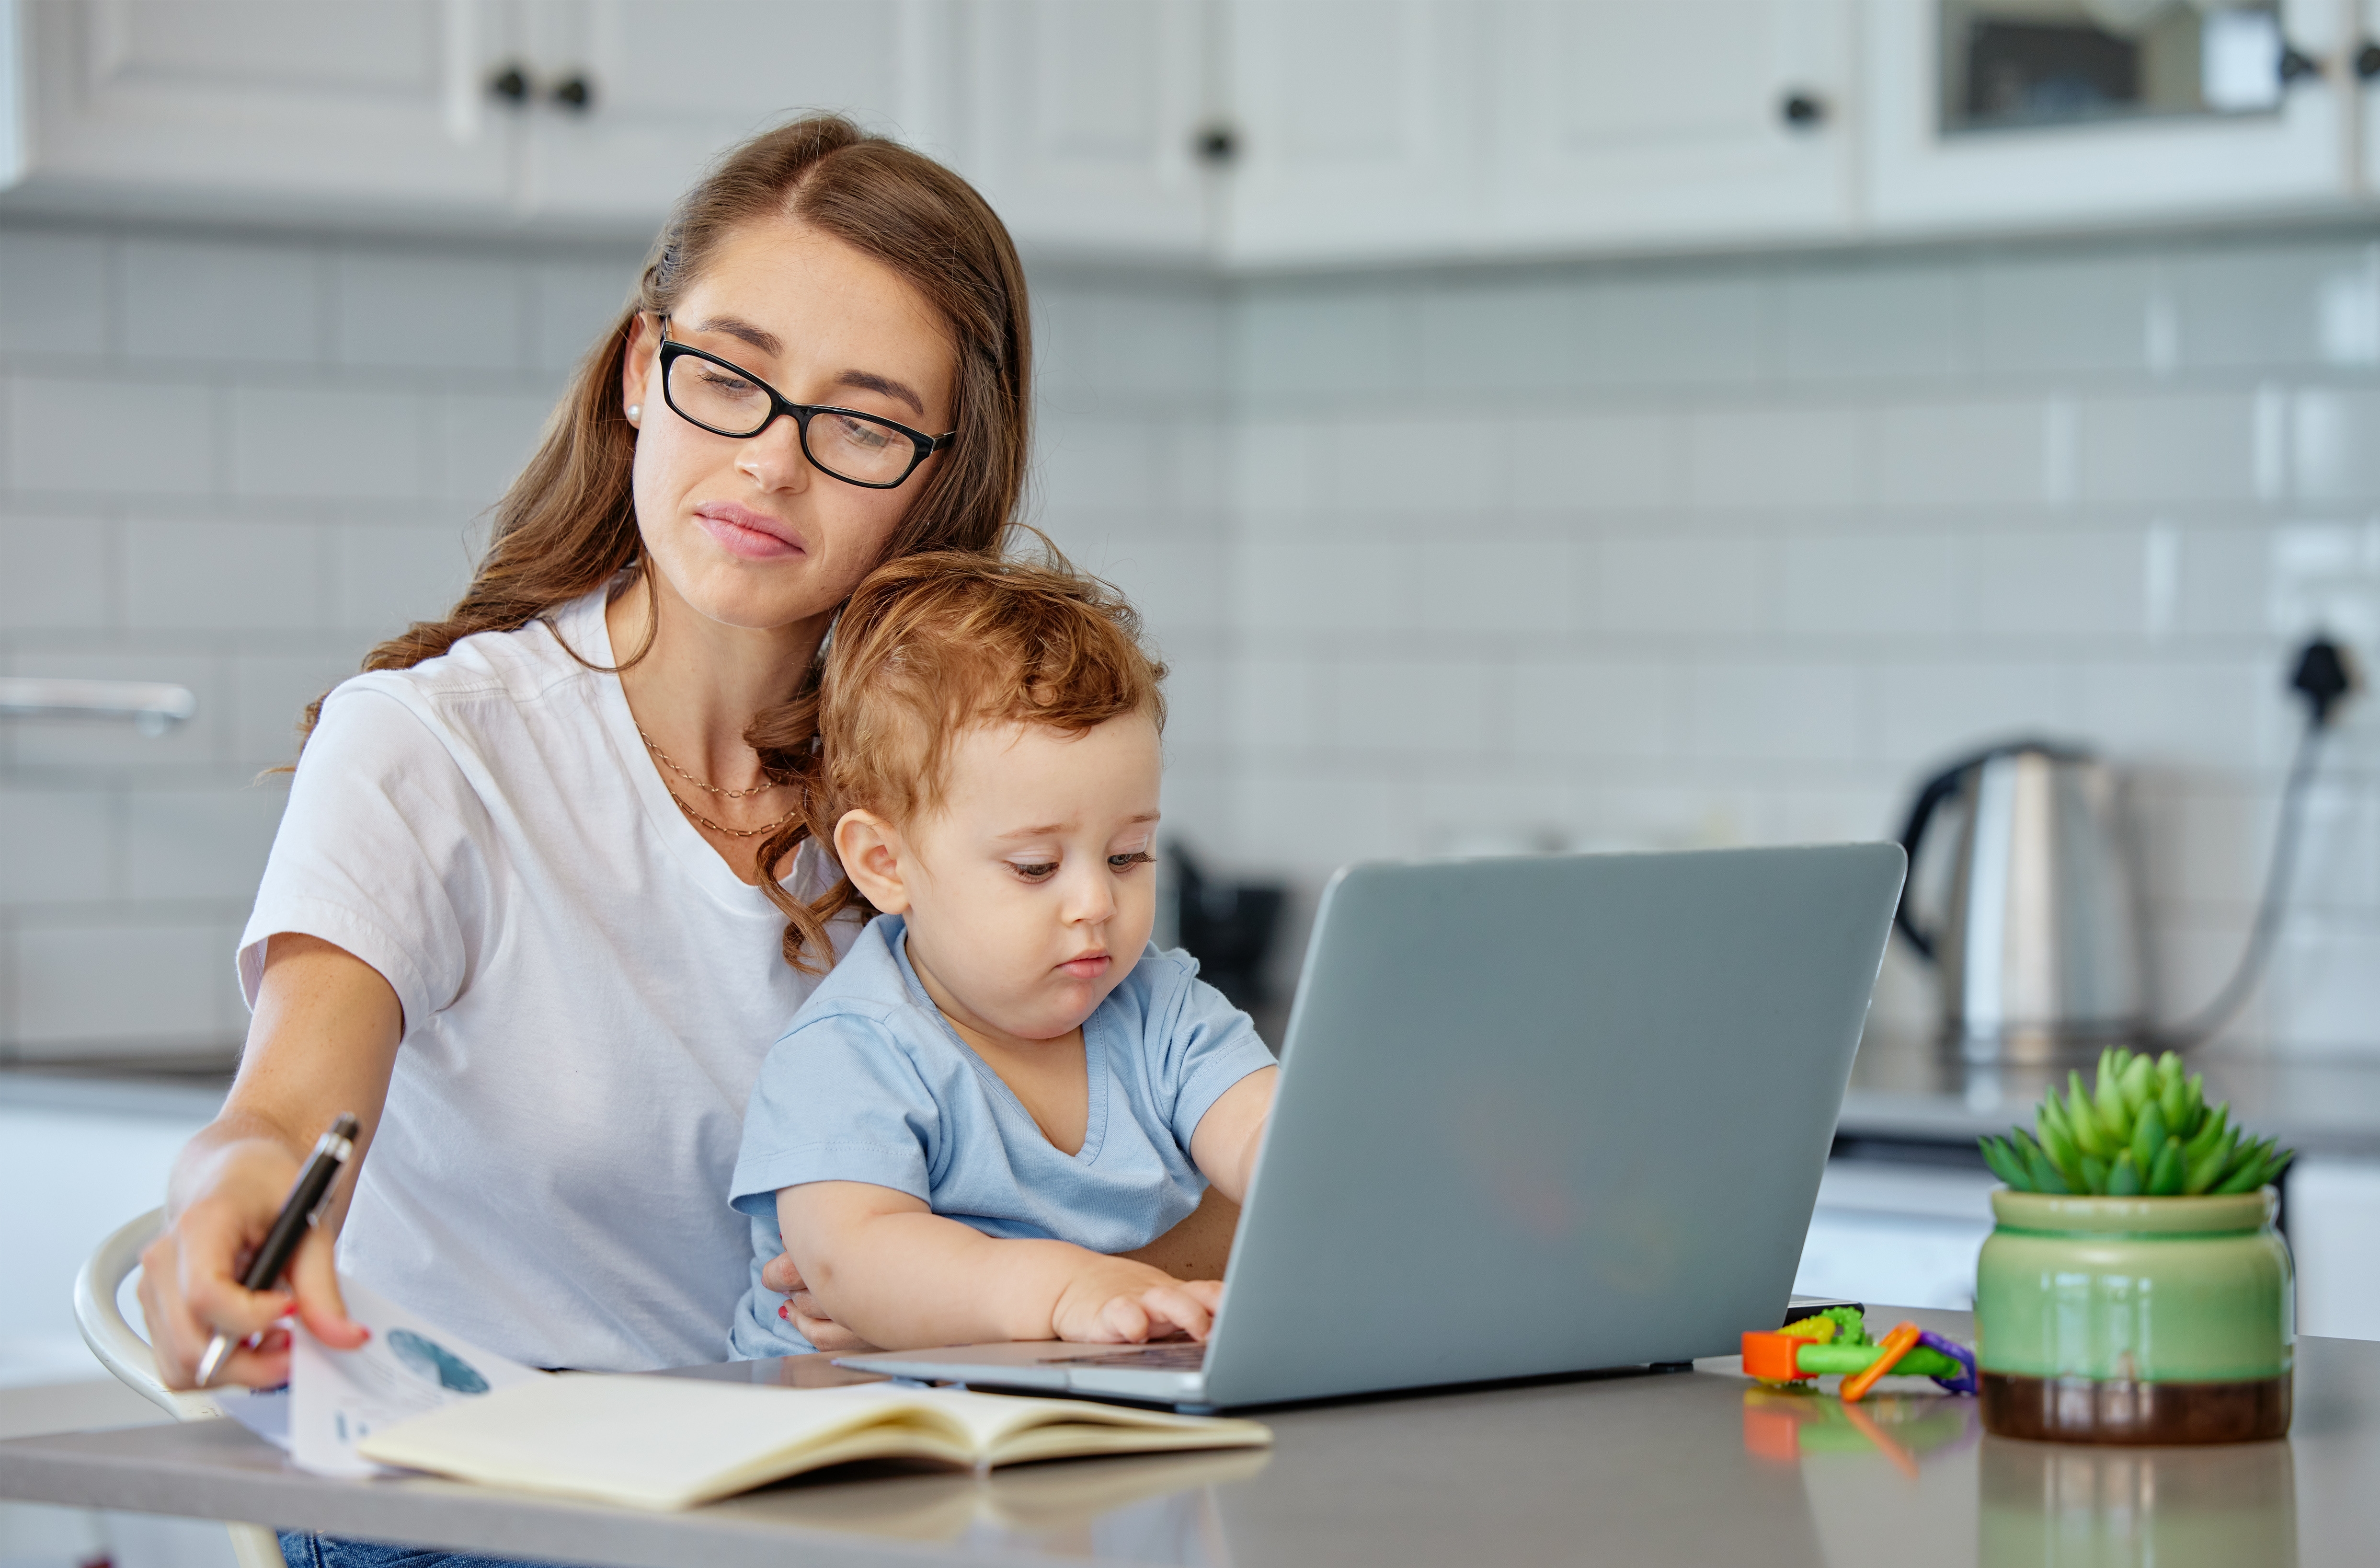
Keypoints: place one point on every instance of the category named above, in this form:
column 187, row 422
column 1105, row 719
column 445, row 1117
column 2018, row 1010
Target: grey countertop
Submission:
column 1696, row 1468
column 1912, row 1090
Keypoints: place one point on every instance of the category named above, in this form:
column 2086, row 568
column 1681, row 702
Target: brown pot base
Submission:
column 2079, row 1410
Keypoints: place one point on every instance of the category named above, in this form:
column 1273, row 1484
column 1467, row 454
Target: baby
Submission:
column 1002, row 1083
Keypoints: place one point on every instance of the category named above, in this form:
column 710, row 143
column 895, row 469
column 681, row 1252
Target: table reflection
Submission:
column 2069, row 1505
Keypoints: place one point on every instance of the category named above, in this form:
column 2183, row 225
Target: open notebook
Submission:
column 669, row 1442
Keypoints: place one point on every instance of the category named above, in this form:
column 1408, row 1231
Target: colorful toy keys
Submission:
column 1835, row 1341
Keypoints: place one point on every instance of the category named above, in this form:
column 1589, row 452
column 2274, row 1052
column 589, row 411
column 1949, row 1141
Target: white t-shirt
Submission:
column 589, row 994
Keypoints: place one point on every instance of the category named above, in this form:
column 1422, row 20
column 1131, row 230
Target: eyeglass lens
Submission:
column 849, row 445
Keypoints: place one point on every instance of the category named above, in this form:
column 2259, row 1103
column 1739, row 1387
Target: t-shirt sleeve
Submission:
column 838, row 1100
column 379, row 851
column 1204, row 1046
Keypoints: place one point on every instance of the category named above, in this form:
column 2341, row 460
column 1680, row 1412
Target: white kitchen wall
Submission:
column 1606, row 555
column 1736, row 552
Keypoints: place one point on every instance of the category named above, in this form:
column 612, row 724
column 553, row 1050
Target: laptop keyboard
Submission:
column 1173, row 1356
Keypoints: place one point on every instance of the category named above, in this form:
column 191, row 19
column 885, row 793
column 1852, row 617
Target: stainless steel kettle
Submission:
column 2038, row 952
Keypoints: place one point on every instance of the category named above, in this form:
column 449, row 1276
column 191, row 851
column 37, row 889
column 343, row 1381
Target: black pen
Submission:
column 308, row 1198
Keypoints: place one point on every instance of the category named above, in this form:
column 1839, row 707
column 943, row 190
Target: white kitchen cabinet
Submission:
column 1920, row 180
column 2334, row 1220
column 260, row 105
column 1358, row 131
column 2364, row 71
column 667, row 85
column 1083, row 121
column 1618, row 124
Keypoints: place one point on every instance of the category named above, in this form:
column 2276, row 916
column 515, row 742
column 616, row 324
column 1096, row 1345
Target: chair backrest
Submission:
column 121, row 1350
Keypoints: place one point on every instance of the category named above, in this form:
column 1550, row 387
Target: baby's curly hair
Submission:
column 932, row 644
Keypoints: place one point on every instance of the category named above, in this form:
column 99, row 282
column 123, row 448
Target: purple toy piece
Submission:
column 1965, row 1381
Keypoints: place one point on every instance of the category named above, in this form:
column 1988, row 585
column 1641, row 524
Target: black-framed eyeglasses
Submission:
column 727, row 400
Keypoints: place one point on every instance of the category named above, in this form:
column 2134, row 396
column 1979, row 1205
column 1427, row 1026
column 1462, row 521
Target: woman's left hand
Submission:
column 805, row 1311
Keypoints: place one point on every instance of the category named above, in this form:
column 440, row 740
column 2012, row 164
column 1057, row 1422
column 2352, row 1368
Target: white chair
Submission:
column 125, row 1354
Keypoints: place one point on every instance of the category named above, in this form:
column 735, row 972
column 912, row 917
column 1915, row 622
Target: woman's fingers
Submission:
column 314, row 1275
column 190, row 1295
column 781, row 1275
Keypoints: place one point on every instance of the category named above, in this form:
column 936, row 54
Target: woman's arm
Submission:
column 322, row 1040
column 900, row 1276
column 1224, row 1144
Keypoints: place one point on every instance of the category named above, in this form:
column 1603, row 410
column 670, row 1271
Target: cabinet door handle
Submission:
column 2367, row 60
column 1216, row 144
column 511, row 84
column 2297, row 64
column 575, row 92
column 1801, row 110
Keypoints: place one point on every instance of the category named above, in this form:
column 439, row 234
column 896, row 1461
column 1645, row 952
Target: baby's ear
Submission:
column 871, row 853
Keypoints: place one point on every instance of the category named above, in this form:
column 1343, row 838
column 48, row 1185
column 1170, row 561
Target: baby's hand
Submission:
column 1117, row 1301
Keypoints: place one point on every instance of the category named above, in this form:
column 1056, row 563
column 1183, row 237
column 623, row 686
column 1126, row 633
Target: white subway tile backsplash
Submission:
column 1158, row 342
column 1768, row 711
column 1930, row 712
column 1512, row 587
column 2071, row 582
column 1357, row 586
column 2259, row 306
column 56, row 573
column 2062, row 314
column 1443, row 707
column 1592, row 461
column 488, row 437
column 1277, row 469
column 340, row 445
column 54, row 292
column 449, row 313
column 577, row 301
column 1504, row 342
column 1773, row 457
column 1702, row 585
column 1175, row 580
column 1867, row 322
column 58, row 846
column 269, row 696
column 108, row 748
column 1966, row 453
column 388, row 575
column 100, row 988
column 1278, row 705
column 2184, row 448
column 1437, row 462
column 1294, row 342
column 1697, row 332
column 201, row 843
column 1873, row 586
column 2334, row 454
column 1090, row 465
column 222, row 302
column 103, row 435
column 2202, row 713
column 1583, row 707
column 192, row 573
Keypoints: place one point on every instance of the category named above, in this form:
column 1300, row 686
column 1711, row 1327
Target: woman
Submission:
column 528, row 910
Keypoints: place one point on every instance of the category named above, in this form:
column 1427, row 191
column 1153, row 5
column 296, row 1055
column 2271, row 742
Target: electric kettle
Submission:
column 2038, row 948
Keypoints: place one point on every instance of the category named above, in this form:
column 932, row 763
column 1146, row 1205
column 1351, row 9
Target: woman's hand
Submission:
column 805, row 1311
column 190, row 1275
column 324, row 1040
column 1117, row 1301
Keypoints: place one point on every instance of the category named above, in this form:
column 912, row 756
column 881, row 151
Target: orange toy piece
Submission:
column 1770, row 1356
column 1896, row 1345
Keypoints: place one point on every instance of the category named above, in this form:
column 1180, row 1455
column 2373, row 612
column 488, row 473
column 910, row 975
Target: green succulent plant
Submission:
column 2143, row 1129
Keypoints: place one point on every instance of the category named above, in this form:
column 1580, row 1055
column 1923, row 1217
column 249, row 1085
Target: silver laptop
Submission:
column 1537, row 1115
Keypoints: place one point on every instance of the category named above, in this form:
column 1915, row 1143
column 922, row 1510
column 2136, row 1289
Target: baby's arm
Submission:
column 900, row 1276
column 1224, row 1144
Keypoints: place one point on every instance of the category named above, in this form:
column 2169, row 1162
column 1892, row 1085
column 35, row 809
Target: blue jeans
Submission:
column 303, row 1548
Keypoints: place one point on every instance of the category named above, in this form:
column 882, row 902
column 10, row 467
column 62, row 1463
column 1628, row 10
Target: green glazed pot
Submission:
column 2135, row 1320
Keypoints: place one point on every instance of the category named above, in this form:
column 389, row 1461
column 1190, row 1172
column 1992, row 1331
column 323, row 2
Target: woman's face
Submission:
column 748, row 532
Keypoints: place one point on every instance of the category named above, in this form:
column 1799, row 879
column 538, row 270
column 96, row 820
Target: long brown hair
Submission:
column 568, row 523
column 934, row 642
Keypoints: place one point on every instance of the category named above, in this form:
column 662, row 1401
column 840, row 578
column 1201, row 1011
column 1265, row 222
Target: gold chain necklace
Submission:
column 697, row 816
column 672, row 763
column 701, row 821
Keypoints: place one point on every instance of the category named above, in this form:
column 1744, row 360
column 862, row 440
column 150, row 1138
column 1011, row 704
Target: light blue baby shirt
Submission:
column 871, row 1083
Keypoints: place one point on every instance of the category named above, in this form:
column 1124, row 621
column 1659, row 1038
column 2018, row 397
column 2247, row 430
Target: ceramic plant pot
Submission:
column 2135, row 1320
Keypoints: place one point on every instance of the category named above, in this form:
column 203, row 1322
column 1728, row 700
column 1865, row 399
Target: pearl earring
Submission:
column 635, row 410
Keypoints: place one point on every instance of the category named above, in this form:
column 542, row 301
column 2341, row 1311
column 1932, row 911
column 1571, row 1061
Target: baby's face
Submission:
column 1032, row 892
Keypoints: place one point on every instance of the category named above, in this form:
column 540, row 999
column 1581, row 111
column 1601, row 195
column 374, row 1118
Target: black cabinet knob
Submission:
column 511, row 84
column 1215, row 144
column 2367, row 60
column 575, row 92
column 1802, row 110
column 2297, row 64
